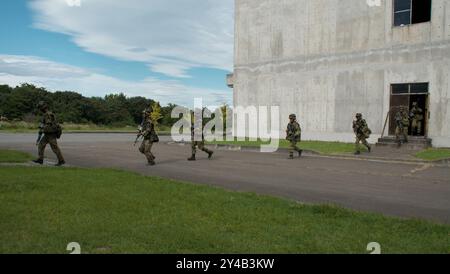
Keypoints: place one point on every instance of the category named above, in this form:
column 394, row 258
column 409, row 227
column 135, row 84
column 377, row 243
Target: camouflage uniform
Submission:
column 150, row 137
column 402, row 122
column 198, row 144
column 362, row 132
column 49, row 129
column 417, row 117
column 294, row 135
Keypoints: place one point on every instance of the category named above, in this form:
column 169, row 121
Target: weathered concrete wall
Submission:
column 329, row 59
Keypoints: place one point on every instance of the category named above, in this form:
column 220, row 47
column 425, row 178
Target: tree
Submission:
column 156, row 115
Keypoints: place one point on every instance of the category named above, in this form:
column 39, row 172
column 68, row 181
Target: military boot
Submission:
column 60, row 163
column 151, row 163
column 291, row 156
column 300, row 152
column 192, row 158
column 210, row 154
column 38, row 161
column 369, row 148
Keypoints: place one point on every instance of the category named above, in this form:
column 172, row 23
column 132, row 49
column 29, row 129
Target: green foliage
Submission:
column 110, row 211
column 156, row 115
column 114, row 110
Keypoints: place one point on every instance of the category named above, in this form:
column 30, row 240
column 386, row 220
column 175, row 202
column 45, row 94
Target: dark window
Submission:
column 421, row 11
column 416, row 88
column 408, row 12
column 400, row 88
column 419, row 88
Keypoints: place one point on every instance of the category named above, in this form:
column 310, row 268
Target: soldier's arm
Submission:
column 298, row 129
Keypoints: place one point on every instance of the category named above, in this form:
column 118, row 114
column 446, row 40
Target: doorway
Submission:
column 405, row 95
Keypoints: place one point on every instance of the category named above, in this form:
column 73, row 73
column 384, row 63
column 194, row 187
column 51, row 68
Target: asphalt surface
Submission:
column 392, row 188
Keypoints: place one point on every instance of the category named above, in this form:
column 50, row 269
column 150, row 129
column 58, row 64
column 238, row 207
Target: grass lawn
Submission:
column 110, row 211
column 434, row 154
column 317, row 146
column 10, row 156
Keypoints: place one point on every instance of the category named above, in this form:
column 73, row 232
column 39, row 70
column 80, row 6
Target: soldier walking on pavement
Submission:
column 294, row 135
column 147, row 131
column 198, row 138
column 362, row 133
column 402, row 122
column 49, row 132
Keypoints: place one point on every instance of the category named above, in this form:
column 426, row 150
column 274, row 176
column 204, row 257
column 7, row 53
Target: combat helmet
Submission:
column 42, row 105
column 358, row 115
column 293, row 116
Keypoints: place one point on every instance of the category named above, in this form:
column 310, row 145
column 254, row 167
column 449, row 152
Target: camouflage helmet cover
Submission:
column 292, row 116
column 147, row 110
column 358, row 115
column 42, row 105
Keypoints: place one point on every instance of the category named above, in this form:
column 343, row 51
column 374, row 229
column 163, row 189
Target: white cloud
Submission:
column 15, row 70
column 170, row 36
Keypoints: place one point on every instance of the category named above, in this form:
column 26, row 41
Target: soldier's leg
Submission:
column 202, row 147
column 142, row 147
column 357, row 148
column 41, row 147
column 397, row 136
column 194, row 151
column 297, row 148
column 405, row 134
column 365, row 143
column 148, row 152
column 54, row 145
column 413, row 127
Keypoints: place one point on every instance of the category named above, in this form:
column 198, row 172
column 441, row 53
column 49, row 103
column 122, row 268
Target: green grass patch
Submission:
column 110, row 211
column 434, row 154
column 316, row 146
column 10, row 156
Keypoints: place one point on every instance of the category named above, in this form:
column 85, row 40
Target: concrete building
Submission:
column 326, row 60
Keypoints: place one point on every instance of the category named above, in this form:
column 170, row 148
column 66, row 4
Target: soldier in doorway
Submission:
column 402, row 126
column 362, row 133
column 416, row 114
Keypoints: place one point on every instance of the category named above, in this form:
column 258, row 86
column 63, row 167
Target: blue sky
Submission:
column 171, row 51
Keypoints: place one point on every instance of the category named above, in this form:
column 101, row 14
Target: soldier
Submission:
column 362, row 132
column 416, row 115
column 49, row 132
column 196, row 132
column 147, row 131
column 294, row 135
column 402, row 122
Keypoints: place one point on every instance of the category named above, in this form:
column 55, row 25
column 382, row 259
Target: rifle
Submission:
column 139, row 135
column 41, row 132
column 39, row 138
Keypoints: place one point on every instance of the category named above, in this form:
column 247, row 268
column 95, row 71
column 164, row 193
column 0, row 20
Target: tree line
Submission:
column 19, row 103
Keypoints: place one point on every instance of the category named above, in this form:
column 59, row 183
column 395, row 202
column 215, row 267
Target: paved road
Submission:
column 406, row 190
